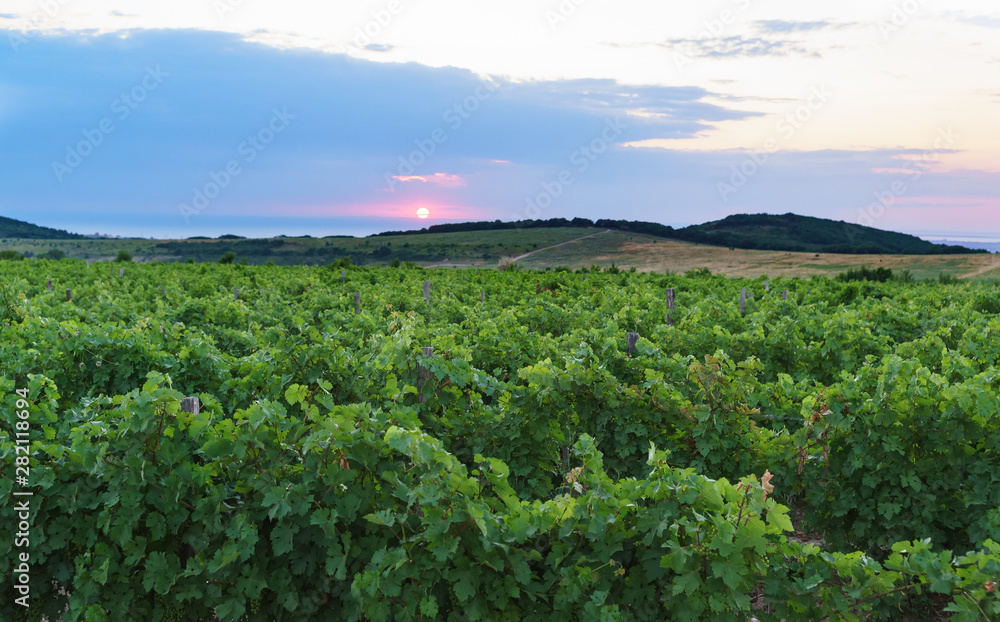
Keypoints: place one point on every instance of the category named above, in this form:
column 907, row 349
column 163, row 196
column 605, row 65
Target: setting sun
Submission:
column 423, row 212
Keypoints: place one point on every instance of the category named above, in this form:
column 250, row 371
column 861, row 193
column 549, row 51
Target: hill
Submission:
column 791, row 232
column 787, row 232
column 10, row 228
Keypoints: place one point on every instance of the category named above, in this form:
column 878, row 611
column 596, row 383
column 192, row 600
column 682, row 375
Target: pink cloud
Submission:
column 441, row 179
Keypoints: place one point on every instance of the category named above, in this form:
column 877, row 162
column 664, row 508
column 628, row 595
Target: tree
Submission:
column 228, row 257
column 124, row 256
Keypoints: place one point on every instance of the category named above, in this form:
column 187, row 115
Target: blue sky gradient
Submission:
column 128, row 132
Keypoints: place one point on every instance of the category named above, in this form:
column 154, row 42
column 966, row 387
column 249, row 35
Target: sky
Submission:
column 259, row 118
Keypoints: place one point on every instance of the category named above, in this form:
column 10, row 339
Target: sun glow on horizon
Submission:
column 423, row 212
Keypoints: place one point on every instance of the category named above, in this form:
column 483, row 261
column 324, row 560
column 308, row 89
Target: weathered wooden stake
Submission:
column 630, row 341
column 163, row 290
column 743, row 301
column 357, row 302
column 671, row 298
column 424, row 375
column 482, row 296
column 69, row 298
column 784, row 294
column 121, row 272
column 767, row 286
column 343, row 275
column 50, row 285
column 236, row 293
column 427, row 291
column 191, row 405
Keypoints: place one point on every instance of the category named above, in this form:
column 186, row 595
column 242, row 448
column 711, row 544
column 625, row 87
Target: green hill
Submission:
column 787, row 232
column 10, row 228
column 790, row 232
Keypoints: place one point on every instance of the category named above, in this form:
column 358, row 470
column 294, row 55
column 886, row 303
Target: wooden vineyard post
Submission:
column 163, row 290
column 482, row 296
column 121, row 272
column 630, row 341
column 236, row 293
column 767, row 286
column 743, row 301
column 784, row 294
column 191, row 405
column 69, row 298
column 671, row 298
column 343, row 275
column 50, row 285
column 357, row 302
column 424, row 375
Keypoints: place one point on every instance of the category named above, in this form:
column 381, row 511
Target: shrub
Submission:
column 123, row 256
column 864, row 274
column 228, row 257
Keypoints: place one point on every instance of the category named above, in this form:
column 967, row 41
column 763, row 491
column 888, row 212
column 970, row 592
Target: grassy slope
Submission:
column 647, row 253
column 484, row 248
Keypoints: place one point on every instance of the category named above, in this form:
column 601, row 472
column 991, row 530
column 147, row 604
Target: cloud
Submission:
column 738, row 46
column 379, row 47
column 352, row 122
column 443, row 180
column 480, row 145
column 981, row 20
column 783, row 26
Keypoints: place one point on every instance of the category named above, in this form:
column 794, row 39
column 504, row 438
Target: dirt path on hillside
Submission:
column 982, row 270
column 519, row 257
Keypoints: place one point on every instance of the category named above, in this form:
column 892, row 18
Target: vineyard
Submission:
column 510, row 446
